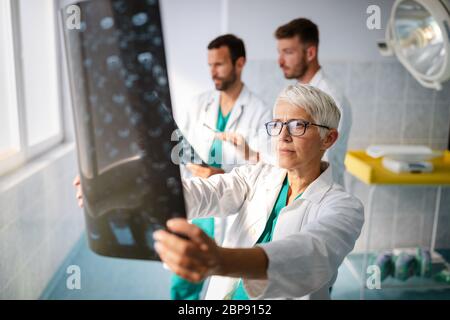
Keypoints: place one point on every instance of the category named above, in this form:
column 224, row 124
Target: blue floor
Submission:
column 110, row 278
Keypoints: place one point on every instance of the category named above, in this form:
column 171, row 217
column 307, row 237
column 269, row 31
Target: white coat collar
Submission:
column 317, row 189
column 239, row 105
column 212, row 108
column 314, row 192
column 317, row 78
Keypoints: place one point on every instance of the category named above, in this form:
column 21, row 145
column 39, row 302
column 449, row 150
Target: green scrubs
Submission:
column 182, row 289
column 239, row 293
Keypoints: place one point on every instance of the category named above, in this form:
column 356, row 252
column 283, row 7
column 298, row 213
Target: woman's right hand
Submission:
column 79, row 193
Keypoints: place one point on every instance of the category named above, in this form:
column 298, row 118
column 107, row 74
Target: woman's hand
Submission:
column 79, row 193
column 193, row 259
column 199, row 256
column 239, row 142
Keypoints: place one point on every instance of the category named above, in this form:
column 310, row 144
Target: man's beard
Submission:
column 298, row 71
column 226, row 83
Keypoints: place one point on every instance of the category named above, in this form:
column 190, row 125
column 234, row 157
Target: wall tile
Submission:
column 391, row 82
column 12, row 292
column 265, row 79
column 415, row 92
column 363, row 114
column 441, row 121
column 32, row 227
column 440, row 144
column 359, row 190
column 443, row 96
column 388, row 123
column 48, row 223
column 273, row 82
column 429, row 200
column 8, row 207
column 11, row 254
column 356, row 144
column 443, row 230
column 418, row 121
column 411, row 200
column 29, row 192
column 381, row 232
column 443, row 233
column 385, row 200
column 37, row 272
column 427, row 229
column 338, row 72
column 423, row 141
column 444, row 208
column 362, row 83
column 407, row 229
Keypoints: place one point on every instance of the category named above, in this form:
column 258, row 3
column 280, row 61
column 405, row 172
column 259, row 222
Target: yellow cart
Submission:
column 371, row 171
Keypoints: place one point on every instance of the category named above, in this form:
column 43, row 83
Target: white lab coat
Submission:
column 248, row 116
column 336, row 154
column 312, row 236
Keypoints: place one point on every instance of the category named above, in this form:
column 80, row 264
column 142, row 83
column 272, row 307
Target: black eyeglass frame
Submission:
column 305, row 123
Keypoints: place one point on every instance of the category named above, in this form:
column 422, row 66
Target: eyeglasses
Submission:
column 295, row 127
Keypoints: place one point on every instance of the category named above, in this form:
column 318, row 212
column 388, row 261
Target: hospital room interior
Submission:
column 96, row 94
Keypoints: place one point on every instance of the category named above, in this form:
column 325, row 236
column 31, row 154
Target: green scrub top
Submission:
column 182, row 289
column 215, row 153
column 240, row 293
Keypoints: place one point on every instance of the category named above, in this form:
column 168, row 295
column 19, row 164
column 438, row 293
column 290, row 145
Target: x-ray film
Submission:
column 127, row 144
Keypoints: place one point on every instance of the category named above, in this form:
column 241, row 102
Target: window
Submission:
column 9, row 129
column 39, row 51
column 30, row 117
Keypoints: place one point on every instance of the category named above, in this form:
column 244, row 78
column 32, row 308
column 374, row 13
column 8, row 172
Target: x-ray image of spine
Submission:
column 123, row 123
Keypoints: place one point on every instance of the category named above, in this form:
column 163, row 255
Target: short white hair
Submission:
column 319, row 105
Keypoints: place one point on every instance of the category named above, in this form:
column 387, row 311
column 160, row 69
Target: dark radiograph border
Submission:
column 125, row 132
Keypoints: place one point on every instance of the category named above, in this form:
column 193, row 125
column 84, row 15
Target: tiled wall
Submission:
column 388, row 106
column 39, row 223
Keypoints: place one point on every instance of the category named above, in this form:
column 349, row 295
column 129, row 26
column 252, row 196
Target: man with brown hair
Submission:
column 298, row 46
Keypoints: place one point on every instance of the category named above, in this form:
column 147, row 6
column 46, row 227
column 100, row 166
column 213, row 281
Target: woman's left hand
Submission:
column 194, row 258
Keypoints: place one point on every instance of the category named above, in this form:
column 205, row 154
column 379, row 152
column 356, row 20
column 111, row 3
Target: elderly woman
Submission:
column 294, row 225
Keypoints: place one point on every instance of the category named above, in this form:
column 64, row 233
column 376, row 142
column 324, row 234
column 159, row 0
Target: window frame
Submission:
column 27, row 152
